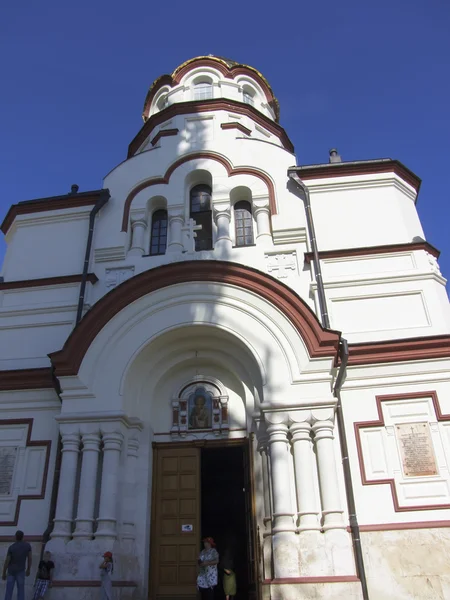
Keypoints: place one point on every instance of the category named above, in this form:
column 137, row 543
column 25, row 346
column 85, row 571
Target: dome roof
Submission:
column 229, row 69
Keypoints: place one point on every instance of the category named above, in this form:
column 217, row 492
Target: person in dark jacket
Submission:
column 14, row 571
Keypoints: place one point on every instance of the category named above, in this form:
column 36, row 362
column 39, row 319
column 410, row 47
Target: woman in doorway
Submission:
column 208, row 561
column 106, row 569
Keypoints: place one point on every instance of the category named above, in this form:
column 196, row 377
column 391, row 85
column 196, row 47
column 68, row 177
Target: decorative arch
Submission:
column 203, row 154
column 319, row 342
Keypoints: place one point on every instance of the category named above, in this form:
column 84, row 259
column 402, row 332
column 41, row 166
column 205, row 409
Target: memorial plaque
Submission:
column 7, row 461
column 416, row 449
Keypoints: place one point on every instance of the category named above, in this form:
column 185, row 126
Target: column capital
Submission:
column 139, row 218
column 70, row 442
column 175, row 214
column 91, row 441
column 222, row 209
column 300, row 431
column 323, row 429
column 323, row 413
column 262, row 204
column 112, row 440
column 278, row 432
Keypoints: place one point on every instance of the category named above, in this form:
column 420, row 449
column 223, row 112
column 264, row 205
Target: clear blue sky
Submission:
column 371, row 78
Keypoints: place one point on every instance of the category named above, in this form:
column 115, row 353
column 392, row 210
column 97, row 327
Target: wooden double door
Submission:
column 176, row 526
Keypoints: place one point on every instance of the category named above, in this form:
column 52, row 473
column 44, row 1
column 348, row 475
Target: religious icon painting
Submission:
column 200, row 409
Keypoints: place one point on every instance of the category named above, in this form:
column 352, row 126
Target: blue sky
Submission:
column 371, row 79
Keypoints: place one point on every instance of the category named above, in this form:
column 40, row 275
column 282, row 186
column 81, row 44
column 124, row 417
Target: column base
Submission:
column 62, row 529
column 106, row 529
column 285, row 555
column 84, row 529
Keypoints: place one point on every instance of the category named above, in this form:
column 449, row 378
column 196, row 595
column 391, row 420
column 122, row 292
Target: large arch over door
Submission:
column 320, row 342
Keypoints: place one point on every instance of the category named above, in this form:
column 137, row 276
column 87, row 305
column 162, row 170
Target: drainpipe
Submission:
column 103, row 199
column 343, row 351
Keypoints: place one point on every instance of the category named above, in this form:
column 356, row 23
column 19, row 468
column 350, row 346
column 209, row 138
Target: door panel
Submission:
column 175, row 523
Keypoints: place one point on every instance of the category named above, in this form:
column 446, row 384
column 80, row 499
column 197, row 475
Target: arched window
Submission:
column 158, row 240
column 203, row 90
column 162, row 102
column 200, row 211
column 243, row 223
column 248, row 96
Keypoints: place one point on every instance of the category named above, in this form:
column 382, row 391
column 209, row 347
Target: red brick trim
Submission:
column 380, row 423
column 236, row 125
column 370, row 167
column 367, row 251
column 403, row 526
column 218, row 64
column 324, row 579
column 45, row 204
column 59, row 280
column 91, row 583
column 423, row 348
column 319, row 342
column 204, row 106
column 29, row 443
column 203, row 154
column 26, row 379
column 163, row 133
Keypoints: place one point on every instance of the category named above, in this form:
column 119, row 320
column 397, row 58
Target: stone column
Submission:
column 222, row 215
column 261, row 212
column 88, row 486
column 285, row 548
column 66, row 491
column 107, row 517
column 138, row 227
column 264, row 451
column 129, row 510
column 308, row 511
column 329, row 489
column 175, row 241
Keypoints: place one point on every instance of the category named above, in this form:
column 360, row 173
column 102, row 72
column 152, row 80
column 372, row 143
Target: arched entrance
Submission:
column 125, row 368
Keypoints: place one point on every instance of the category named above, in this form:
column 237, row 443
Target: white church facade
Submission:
column 222, row 343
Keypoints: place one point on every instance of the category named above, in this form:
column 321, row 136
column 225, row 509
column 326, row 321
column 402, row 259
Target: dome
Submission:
column 227, row 78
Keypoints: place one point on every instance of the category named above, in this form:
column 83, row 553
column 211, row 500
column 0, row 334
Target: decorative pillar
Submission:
column 88, row 485
column 308, row 511
column 129, row 510
column 285, row 548
column 261, row 212
column 263, row 450
column 329, row 489
column 138, row 227
column 222, row 215
column 66, row 491
column 175, row 241
column 107, row 519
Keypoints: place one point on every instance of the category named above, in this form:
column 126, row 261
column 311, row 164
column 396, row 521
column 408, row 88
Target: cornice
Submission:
column 369, row 250
column 215, row 104
column 369, row 167
column 405, row 349
column 49, row 204
column 26, row 379
column 46, row 281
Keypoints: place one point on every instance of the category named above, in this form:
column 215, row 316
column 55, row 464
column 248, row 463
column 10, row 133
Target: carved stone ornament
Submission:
column 281, row 264
column 114, row 277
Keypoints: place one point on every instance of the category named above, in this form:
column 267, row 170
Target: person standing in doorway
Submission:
column 106, row 570
column 14, row 571
column 208, row 561
column 44, row 576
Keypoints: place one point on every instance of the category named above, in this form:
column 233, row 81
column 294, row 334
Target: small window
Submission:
column 248, row 98
column 203, row 91
column 243, row 223
column 200, row 211
column 158, row 241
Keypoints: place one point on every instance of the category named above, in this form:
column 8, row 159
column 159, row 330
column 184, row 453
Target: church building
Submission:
column 221, row 342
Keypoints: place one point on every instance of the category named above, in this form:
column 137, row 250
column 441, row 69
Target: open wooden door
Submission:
column 250, row 517
column 175, row 534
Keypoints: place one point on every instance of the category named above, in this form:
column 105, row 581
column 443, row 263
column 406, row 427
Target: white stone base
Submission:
column 316, row 591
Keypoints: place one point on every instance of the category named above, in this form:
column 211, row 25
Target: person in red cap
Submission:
column 207, row 562
column 106, row 569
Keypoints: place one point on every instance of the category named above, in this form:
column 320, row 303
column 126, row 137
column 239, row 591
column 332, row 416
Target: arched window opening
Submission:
column 200, row 211
column 203, row 91
column 243, row 223
column 158, row 240
column 249, row 96
column 162, row 102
